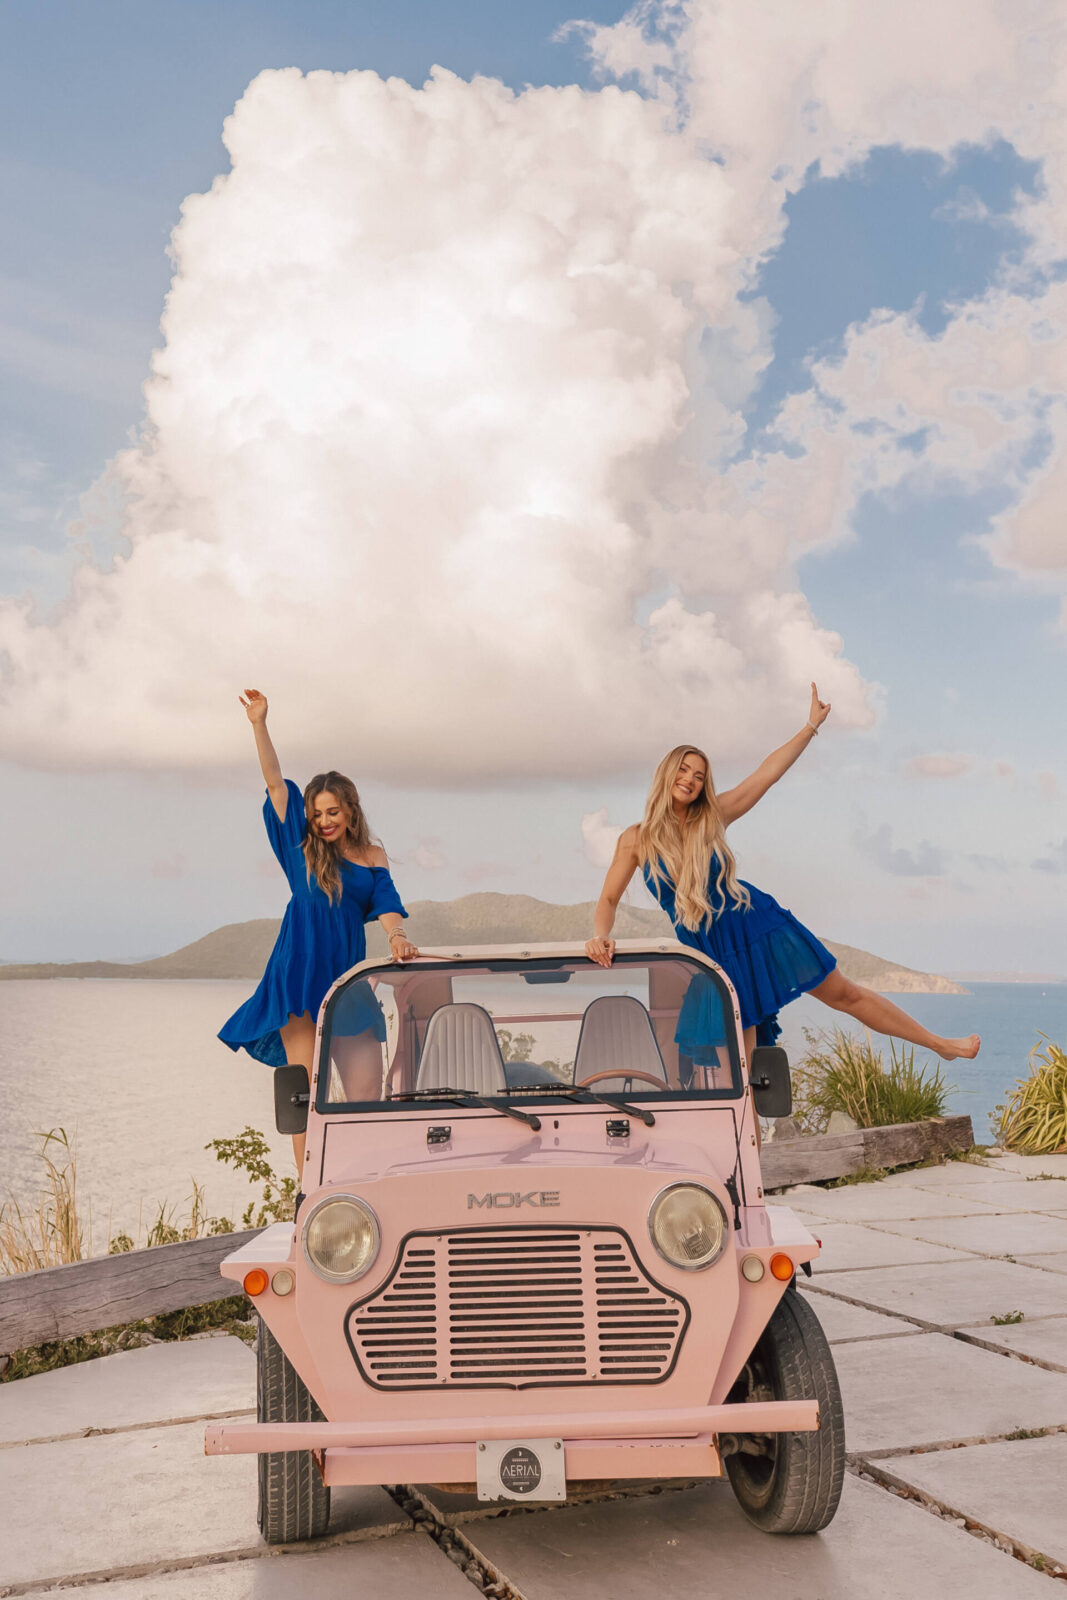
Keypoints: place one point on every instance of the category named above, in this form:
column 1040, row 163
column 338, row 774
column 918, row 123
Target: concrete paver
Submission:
column 1034, row 1166
column 124, row 1499
column 1054, row 1262
column 674, row 1543
column 1012, row 1233
column 846, row 1245
column 162, row 1383
column 407, row 1567
column 873, row 1202
column 840, row 1320
column 1014, row 1487
column 902, row 1393
column 956, row 1293
column 950, row 1174
column 1045, row 1340
column 1012, row 1194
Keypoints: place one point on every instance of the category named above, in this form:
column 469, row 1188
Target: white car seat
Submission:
column 617, row 1033
column 461, row 1049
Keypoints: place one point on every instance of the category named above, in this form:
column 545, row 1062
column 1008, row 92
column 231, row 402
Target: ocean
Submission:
column 132, row 1070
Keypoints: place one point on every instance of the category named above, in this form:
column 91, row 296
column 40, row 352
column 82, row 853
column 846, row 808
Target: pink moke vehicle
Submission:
column 533, row 1248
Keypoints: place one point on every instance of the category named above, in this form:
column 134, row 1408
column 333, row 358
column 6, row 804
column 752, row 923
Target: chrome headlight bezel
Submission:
column 700, row 1188
column 376, row 1238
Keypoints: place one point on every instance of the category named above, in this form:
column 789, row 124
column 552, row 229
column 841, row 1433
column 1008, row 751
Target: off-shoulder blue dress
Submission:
column 317, row 941
column 768, row 956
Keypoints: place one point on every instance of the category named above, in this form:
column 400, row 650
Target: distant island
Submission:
column 240, row 949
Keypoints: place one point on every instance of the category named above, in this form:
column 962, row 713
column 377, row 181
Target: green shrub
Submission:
column 1034, row 1120
column 843, row 1073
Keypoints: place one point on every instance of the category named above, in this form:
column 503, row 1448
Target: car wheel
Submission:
column 790, row 1482
column 294, row 1503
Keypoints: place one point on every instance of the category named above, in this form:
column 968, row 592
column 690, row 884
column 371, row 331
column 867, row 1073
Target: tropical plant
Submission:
column 843, row 1073
column 249, row 1152
column 1034, row 1118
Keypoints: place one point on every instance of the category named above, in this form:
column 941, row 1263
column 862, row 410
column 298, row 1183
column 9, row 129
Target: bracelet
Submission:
column 397, row 933
column 813, row 728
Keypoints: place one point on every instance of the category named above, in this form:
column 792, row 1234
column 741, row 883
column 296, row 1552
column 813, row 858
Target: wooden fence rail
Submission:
column 62, row 1302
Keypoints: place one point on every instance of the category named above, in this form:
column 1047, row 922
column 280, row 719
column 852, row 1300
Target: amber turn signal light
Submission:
column 781, row 1268
column 256, row 1281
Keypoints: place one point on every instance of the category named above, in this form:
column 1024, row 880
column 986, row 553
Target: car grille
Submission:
column 513, row 1308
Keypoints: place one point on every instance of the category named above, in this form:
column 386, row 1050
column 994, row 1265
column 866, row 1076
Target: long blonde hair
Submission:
column 323, row 856
column 686, row 848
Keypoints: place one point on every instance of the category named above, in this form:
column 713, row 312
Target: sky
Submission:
column 511, row 393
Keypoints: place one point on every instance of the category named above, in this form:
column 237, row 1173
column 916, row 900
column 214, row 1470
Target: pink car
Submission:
column 533, row 1247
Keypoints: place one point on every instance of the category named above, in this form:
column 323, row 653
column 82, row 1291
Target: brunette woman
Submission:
column 769, row 957
column 339, row 879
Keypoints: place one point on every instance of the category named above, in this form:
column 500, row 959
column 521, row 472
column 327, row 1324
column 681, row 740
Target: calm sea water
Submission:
column 134, row 1072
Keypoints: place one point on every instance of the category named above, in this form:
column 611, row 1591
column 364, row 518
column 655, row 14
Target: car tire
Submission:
column 791, row 1482
column 294, row 1503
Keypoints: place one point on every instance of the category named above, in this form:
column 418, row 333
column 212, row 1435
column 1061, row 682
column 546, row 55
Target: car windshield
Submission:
column 523, row 1029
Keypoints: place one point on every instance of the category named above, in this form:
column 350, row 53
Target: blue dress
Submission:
column 768, row 956
column 317, row 941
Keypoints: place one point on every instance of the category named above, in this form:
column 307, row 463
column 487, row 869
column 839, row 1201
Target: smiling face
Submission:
column 330, row 816
column 689, row 781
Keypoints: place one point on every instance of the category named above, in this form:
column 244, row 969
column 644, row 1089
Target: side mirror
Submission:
column 772, row 1087
column 292, row 1096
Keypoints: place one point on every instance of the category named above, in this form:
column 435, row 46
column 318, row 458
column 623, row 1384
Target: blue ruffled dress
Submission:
column 768, row 956
column 317, row 941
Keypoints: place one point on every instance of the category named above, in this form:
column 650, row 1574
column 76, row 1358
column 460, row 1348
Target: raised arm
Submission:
column 255, row 705
column 735, row 802
column 601, row 947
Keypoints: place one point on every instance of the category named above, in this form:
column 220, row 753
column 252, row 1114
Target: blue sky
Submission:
column 112, row 115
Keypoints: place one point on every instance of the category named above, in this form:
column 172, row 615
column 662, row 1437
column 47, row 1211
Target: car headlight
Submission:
column 341, row 1239
column 688, row 1226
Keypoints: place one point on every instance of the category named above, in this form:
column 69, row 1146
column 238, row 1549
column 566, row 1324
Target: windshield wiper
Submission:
column 587, row 1097
column 464, row 1097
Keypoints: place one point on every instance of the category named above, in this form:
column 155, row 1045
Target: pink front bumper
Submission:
column 647, row 1444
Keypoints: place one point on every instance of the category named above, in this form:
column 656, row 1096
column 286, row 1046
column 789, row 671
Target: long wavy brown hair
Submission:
column 324, row 856
column 686, row 848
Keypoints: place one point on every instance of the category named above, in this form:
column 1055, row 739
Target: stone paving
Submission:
column 956, row 1423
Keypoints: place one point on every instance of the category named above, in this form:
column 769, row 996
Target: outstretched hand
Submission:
column 820, row 709
column 255, row 705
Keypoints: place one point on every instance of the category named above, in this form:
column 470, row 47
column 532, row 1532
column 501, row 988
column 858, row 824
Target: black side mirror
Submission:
column 772, row 1087
column 292, row 1096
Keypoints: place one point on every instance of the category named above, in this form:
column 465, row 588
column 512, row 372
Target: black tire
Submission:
column 791, row 1482
column 294, row 1503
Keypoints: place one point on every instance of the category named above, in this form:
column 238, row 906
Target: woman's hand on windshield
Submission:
column 602, row 951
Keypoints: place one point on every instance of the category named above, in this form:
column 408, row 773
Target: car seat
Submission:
column 617, row 1032
column 461, row 1050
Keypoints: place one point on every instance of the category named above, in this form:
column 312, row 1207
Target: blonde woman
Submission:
column 769, row 957
column 339, row 880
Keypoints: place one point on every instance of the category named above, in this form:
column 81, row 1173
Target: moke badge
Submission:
column 511, row 1199
column 521, row 1469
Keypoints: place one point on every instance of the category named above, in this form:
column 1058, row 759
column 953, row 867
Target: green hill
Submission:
column 240, row 949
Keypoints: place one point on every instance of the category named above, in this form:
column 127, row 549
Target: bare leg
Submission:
column 358, row 1059
column 881, row 1015
column 298, row 1042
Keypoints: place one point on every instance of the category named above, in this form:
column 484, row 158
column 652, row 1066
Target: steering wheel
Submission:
column 614, row 1072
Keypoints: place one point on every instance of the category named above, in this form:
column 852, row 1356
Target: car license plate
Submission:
column 521, row 1469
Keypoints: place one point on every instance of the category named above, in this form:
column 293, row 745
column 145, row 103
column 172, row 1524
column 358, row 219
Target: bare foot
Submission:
column 955, row 1049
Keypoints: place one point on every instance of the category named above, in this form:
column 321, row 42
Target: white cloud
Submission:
column 417, row 445
column 427, row 854
column 452, row 382
column 599, row 837
column 939, row 765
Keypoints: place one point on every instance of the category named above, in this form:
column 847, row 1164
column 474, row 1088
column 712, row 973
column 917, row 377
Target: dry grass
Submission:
column 56, row 1229
column 53, row 1232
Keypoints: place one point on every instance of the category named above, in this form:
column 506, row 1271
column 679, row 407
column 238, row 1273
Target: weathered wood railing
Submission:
column 62, row 1302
